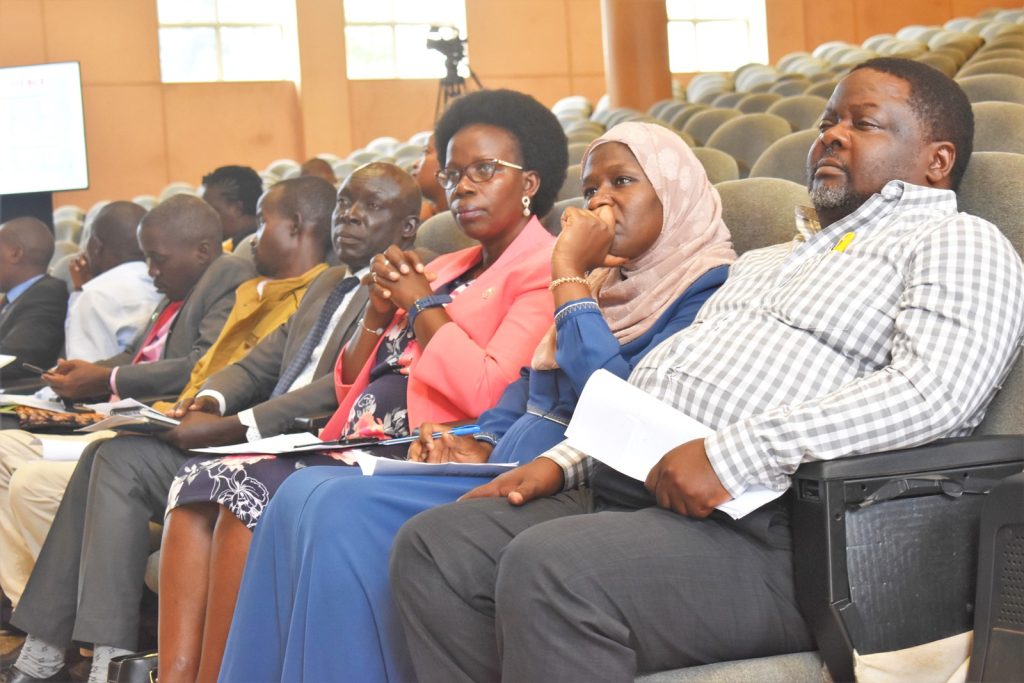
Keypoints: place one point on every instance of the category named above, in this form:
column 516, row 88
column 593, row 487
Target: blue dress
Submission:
column 315, row 604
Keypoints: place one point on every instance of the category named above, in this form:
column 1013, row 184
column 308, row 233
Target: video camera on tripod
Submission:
column 446, row 40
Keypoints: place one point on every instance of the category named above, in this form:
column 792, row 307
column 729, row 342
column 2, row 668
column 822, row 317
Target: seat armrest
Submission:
column 828, row 495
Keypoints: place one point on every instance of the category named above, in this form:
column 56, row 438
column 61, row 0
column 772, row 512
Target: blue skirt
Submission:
column 315, row 604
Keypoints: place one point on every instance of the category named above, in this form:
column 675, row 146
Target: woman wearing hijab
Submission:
column 314, row 602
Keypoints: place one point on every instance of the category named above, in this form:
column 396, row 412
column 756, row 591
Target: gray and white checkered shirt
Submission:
column 811, row 353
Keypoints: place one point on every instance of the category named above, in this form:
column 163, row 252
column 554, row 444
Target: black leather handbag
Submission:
column 139, row 667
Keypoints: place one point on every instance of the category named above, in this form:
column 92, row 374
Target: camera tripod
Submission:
column 450, row 87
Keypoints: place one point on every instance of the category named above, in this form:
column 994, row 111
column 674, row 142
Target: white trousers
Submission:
column 30, row 493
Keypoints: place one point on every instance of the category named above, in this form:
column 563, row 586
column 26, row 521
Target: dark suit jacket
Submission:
column 196, row 327
column 32, row 328
column 249, row 382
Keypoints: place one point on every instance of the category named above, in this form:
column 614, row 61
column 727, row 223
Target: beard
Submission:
column 838, row 200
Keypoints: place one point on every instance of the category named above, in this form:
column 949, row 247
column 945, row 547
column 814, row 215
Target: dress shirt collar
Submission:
column 895, row 195
column 17, row 291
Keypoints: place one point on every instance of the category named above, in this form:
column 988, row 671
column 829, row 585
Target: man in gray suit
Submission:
column 181, row 241
column 92, row 593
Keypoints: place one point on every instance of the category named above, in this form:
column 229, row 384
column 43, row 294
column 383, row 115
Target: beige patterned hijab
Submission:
column 693, row 237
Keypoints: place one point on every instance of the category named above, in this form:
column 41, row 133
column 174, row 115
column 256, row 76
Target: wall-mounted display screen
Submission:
column 42, row 129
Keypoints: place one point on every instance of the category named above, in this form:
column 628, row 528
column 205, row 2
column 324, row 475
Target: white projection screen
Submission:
column 42, row 129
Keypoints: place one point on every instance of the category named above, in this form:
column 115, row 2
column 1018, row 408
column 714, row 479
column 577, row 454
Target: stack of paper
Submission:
column 629, row 430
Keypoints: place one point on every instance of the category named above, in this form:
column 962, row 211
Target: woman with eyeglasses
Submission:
column 628, row 272
column 437, row 343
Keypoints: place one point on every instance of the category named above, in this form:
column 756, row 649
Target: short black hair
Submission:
column 938, row 103
column 237, row 184
column 313, row 198
column 540, row 136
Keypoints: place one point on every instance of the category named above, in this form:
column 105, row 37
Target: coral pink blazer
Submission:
column 497, row 322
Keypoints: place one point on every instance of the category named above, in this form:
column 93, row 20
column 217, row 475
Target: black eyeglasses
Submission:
column 478, row 171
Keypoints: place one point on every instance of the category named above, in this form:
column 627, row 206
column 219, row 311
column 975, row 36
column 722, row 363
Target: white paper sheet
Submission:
column 282, row 443
column 6, row 360
column 629, row 430
column 374, row 466
column 32, row 402
column 67, row 448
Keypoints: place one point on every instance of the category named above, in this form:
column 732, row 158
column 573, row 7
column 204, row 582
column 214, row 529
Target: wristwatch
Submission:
column 423, row 303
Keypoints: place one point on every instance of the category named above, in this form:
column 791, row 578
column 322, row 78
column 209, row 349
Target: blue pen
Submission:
column 464, row 430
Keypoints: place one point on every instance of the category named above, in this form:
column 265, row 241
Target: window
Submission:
column 388, row 38
column 227, row 40
column 715, row 35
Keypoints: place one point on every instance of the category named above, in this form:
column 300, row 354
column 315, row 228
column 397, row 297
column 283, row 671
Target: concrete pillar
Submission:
column 636, row 52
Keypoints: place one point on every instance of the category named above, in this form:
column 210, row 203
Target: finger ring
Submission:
column 373, row 276
column 387, row 263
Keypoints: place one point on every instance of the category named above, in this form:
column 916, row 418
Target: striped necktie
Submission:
column 305, row 352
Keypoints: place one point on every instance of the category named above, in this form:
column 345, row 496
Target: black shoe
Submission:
column 15, row 675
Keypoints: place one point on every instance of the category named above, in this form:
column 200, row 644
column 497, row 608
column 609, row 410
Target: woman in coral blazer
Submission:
column 438, row 343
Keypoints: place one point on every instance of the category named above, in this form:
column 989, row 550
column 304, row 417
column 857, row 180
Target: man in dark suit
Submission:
column 181, row 241
column 34, row 304
column 377, row 206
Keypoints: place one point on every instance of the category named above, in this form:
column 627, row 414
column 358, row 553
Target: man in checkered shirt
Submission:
column 887, row 323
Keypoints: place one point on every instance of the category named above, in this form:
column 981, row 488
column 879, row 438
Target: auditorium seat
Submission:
column 747, row 136
column 440, row 234
column 576, row 150
column 790, row 86
column 822, row 88
column 802, row 111
column 786, row 158
column 757, row 103
column 718, row 165
column 172, row 189
column 727, row 99
column 685, row 114
column 759, row 211
column 704, row 123
column 283, row 167
column 705, row 85
column 942, row 62
column 985, row 55
column 582, row 136
column 667, row 112
column 61, row 269
column 571, row 187
column 67, row 229
column 553, row 220
column 1013, row 67
column 993, row 87
column 998, row 127
column 146, row 201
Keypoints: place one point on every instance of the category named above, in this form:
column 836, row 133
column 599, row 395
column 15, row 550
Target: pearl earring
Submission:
column 526, row 205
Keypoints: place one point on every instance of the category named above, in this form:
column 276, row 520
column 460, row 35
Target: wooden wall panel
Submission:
column 323, row 90
column 116, row 41
column 395, row 108
column 517, row 38
column 212, row 124
column 22, row 34
column 124, row 127
column 885, row 16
